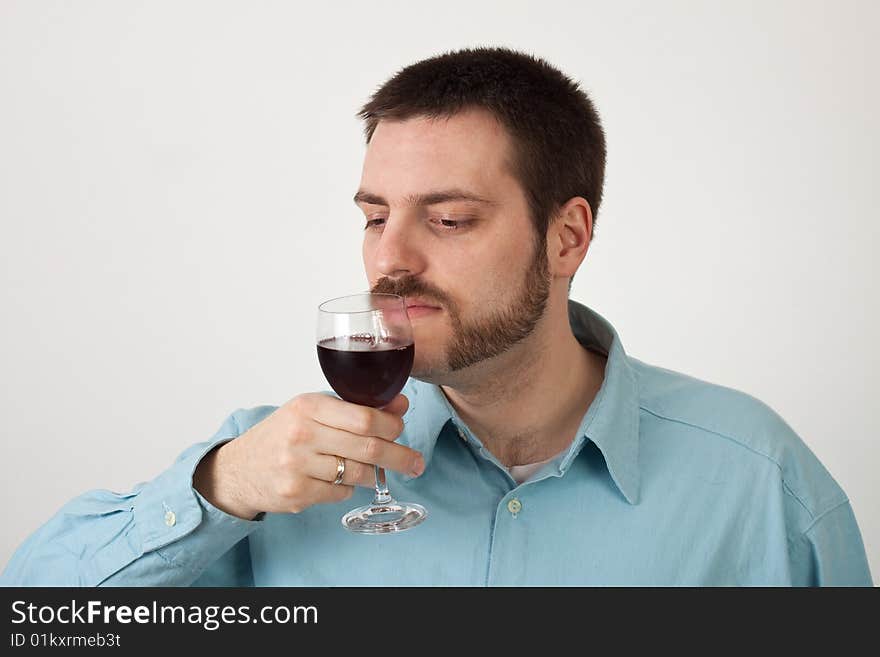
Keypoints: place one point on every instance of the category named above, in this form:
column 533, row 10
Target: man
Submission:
column 543, row 453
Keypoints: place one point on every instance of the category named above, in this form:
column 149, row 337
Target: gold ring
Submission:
column 340, row 470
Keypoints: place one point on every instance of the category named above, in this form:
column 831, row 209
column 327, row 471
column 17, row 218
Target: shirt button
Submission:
column 170, row 518
column 514, row 506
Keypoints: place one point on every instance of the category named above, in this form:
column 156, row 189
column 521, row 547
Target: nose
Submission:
column 397, row 251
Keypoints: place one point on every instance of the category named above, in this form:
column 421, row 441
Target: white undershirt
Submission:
column 521, row 473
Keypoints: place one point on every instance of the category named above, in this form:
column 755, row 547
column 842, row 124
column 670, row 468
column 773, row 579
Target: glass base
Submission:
column 384, row 518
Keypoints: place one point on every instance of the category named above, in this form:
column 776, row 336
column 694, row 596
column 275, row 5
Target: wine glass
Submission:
column 365, row 348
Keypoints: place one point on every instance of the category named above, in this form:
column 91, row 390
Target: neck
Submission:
column 526, row 404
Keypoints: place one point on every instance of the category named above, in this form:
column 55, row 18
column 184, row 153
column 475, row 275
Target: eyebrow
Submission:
column 430, row 198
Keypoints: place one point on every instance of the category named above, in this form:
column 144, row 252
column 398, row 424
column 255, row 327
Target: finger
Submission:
column 323, row 467
column 366, row 450
column 323, row 492
column 356, row 419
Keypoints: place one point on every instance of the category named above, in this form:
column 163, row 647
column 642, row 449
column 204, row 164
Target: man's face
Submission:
column 448, row 228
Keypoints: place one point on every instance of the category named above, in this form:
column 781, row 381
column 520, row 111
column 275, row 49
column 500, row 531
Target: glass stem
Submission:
column 382, row 494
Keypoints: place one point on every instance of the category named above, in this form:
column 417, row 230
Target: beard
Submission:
column 474, row 340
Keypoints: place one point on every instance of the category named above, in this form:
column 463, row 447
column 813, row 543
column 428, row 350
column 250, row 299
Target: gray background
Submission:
column 175, row 185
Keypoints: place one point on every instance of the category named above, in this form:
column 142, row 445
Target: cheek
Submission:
column 495, row 263
column 367, row 258
column 479, row 289
column 499, row 278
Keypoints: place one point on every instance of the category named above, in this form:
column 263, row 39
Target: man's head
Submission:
column 481, row 182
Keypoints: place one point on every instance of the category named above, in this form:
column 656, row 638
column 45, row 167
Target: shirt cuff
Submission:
column 174, row 519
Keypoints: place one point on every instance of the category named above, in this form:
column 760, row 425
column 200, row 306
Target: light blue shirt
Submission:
column 669, row 481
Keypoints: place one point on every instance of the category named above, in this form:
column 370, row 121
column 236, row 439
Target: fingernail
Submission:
column 418, row 466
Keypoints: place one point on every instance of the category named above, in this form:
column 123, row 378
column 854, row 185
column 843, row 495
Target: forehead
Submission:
column 470, row 149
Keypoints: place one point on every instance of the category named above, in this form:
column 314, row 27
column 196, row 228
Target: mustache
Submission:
column 410, row 286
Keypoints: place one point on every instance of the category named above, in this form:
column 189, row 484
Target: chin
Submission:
column 434, row 378
column 423, row 370
column 429, row 372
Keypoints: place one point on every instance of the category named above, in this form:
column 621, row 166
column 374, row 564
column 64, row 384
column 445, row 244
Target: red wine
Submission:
column 364, row 372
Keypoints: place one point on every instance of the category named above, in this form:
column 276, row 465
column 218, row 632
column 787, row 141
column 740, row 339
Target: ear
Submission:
column 568, row 237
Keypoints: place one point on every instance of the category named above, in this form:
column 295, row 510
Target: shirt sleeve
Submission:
column 831, row 552
column 161, row 533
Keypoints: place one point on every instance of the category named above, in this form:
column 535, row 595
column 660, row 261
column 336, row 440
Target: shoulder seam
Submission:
column 744, row 446
column 820, row 516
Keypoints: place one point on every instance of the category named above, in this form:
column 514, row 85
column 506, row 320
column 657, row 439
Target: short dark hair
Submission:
column 558, row 140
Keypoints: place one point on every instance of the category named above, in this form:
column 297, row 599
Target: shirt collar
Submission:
column 611, row 422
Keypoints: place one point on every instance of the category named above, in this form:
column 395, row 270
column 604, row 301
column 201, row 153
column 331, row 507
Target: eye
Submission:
column 450, row 225
column 444, row 224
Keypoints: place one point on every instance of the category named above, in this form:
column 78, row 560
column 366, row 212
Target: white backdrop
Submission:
column 175, row 199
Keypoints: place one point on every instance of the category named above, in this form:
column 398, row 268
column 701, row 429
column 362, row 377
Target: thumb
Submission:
column 398, row 406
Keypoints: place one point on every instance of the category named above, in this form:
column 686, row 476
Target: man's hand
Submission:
column 287, row 462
